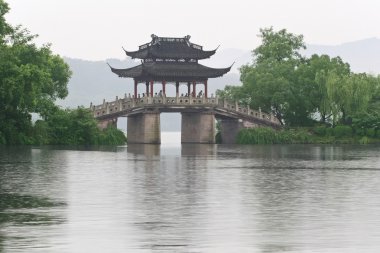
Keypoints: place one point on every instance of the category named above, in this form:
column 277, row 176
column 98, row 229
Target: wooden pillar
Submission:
column 136, row 88
column 205, row 88
column 188, row 89
column 177, row 89
column 147, row 89
column 151, row 88
column 164, row 88
column 194, row 89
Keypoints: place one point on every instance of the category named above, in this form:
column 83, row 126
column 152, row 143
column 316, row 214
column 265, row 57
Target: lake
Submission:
column 190, row 198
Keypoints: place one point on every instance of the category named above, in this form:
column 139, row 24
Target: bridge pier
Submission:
column 229, row 129
column 103, row 124
column 144, row 128
column 198, row 127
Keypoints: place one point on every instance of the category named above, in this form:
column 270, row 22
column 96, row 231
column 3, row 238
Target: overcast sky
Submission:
column 97, row 29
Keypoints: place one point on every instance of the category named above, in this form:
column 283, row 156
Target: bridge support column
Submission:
column 144, row 128
column 103, row 124
column 198, row 127
column 229, row 129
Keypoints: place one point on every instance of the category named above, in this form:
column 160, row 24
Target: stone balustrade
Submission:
column 125, row 104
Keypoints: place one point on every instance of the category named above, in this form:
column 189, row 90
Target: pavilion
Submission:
column 170, row 60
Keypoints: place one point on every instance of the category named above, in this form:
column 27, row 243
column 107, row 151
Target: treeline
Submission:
column 306, row 91
column 31, row 79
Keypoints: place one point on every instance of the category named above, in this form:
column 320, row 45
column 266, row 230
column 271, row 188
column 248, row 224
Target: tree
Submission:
column 271, row 81
column 31, row 79
column 313, row 74
column 349, row 95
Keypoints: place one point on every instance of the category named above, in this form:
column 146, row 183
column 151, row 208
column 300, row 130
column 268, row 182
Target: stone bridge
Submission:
column 198, row 117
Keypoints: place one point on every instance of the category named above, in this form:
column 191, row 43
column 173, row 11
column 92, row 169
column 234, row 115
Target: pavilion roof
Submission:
column 170, row 48
column 171, row 71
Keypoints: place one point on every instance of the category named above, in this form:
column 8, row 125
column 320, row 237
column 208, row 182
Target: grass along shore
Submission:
column 316, row 135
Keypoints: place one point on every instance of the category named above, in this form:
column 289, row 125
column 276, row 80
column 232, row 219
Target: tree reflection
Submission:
column 17, row 209
column 25, row 210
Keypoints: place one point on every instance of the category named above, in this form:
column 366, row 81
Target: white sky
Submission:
column 97, row 29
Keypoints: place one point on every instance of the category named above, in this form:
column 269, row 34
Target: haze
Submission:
column 96, row 30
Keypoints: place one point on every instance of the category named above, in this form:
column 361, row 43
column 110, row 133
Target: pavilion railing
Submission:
column 125, row 104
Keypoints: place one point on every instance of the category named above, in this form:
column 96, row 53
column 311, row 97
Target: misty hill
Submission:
column 362, row 55
column 92, row 81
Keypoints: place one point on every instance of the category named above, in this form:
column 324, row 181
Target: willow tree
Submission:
column 349, row 95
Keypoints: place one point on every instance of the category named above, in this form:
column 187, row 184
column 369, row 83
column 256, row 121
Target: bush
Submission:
column 371, row 132
column 270, row 136
column 320, row 130
column 360, row 131
column 257, row 136
column 329, row 131
column 74, row 127
column 112, row 136
column 364, row 140
column 342, row 131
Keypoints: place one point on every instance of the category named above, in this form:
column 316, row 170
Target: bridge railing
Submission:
column 126, row 103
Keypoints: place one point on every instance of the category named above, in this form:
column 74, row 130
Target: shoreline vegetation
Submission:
column 309, row 135
column 32, row 78
column 317, row 99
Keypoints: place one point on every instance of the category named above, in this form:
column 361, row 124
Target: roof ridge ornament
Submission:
column 155, row 39
column 187, row 39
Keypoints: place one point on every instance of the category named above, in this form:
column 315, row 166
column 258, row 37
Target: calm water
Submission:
column 190, row 198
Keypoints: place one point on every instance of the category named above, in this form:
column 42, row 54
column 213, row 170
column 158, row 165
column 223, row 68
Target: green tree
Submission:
column 271, row 81
column 31, row 79
column 313, row 74
column 349, row 95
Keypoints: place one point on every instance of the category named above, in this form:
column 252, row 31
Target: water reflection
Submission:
column 148, row 150
column 190, row 198
column 31, row 185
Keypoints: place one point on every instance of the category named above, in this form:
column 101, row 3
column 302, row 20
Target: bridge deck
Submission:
column 220, row 107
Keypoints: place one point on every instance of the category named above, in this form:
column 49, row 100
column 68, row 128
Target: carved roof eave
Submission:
column 171, row 71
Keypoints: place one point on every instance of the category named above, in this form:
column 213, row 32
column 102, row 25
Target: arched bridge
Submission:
column 198, row 117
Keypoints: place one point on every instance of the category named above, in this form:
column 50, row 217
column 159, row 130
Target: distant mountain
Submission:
column 92, row 81
column 362, row 55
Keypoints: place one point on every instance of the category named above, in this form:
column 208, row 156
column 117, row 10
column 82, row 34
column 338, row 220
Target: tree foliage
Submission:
column 74, row 127
column 31, row 79
column 300, row 91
